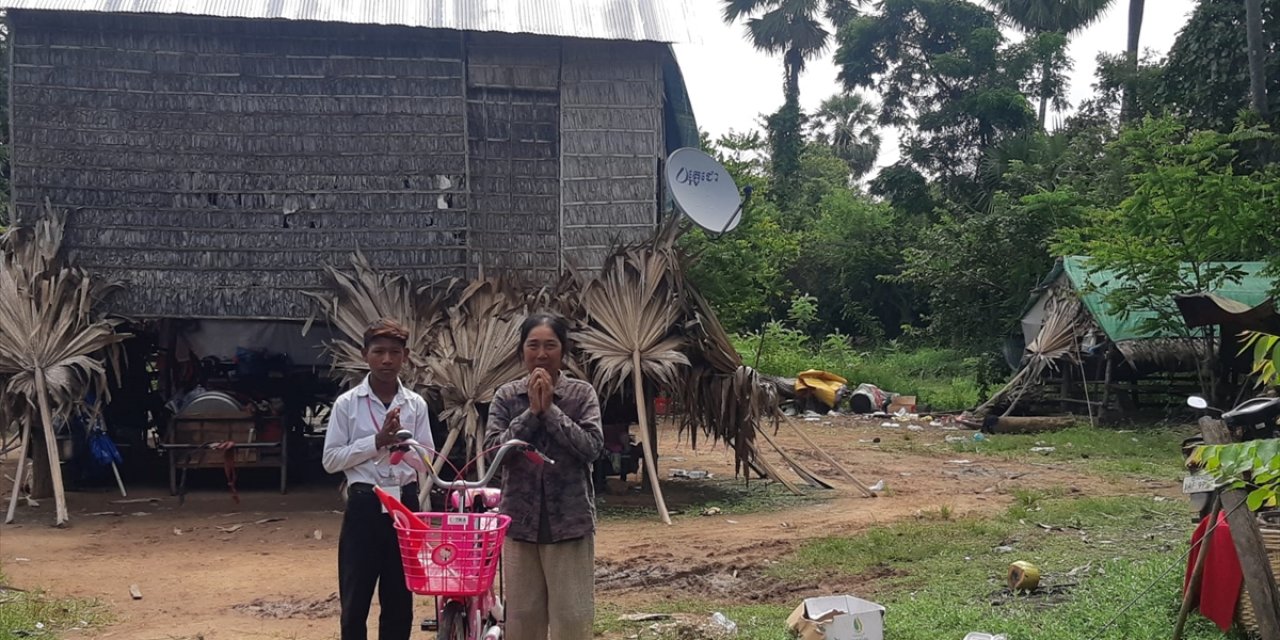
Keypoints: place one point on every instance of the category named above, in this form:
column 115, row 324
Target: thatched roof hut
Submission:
column 217, row 162
column 1072, row 336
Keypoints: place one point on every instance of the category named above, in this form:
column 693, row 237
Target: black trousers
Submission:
column 368, row 556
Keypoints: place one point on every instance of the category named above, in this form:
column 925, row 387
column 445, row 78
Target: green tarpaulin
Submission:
column 1252, row 290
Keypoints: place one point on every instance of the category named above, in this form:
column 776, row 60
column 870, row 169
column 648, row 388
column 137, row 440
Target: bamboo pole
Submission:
column 1192, row 593
column 799, row 469
column 866, row 491
column 51, row 443
column 473, row 425
column 650, row 467
column 22, row 459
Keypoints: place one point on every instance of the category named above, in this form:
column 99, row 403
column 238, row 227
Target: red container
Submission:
column 456, row 555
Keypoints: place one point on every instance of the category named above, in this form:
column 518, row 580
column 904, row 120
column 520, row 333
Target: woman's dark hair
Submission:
column 535, row 320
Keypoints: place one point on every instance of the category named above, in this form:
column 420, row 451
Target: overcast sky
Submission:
column 731, row 84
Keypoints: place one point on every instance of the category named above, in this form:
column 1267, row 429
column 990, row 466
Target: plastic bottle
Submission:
column 719, row 620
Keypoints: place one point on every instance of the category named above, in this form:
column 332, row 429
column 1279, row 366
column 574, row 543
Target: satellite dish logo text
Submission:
column 694, row 177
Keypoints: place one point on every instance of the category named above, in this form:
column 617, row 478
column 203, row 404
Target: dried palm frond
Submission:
column 633, row 309
column 354, row 301
column 52, row 341
column 476, row 353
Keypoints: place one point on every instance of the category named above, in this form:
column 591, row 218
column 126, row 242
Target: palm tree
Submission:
column 792, row 28
column 1257, row 57
column 1040, row 17
column 1130, row 105
column 795, row 29
column 845, row 122
column 51, row 339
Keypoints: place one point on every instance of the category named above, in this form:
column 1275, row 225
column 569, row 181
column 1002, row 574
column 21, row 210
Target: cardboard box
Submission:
column 837, row 618
column 903, row 402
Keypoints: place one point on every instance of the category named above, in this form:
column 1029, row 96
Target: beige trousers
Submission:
column 550, row 588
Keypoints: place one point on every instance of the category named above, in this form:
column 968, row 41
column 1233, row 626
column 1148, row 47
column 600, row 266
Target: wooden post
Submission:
column 1259, row 582
column 1066, row 387
column 1192, row 593
column 866, row 491
column 51, row 443
column 22, row 459
column 1106, row 383
column 650, row 465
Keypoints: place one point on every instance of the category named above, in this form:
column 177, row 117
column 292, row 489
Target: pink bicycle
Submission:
column 455, row 555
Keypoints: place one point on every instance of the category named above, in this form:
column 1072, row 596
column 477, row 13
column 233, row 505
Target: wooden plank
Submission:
column 1259, row 582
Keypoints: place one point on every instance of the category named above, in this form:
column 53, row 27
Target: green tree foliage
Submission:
column 1190, row 203
column 942, row 248
column 943, row 68
column 977, row 270
column 846, row 122
column 852, row 246
column 794, row 29
column 1049, row 23
column 1206, row 79
column 742, row 273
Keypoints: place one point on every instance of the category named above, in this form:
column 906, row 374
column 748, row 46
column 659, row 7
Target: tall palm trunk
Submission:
column 1044, row 92
column 1128, row 110
column 1257, row 57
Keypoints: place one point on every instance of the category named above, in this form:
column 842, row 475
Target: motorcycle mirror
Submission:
column 1197, row 402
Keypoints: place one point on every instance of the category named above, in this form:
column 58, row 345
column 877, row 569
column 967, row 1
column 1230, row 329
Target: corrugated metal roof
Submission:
column 651, row 20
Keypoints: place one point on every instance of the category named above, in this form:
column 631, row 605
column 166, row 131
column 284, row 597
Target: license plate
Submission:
column 1198, row 483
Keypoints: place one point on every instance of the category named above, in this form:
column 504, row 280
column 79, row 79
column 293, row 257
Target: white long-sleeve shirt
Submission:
column 357, row 417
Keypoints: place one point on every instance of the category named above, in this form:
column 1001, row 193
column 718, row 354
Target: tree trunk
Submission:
column 1257, row 57
column 51, row 445
column 1128, row 110
column 1044, row 94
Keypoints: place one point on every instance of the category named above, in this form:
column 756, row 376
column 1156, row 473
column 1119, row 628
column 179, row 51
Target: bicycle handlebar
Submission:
column 406, row 439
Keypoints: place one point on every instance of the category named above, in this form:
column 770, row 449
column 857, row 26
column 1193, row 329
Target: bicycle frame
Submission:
column 487, row 608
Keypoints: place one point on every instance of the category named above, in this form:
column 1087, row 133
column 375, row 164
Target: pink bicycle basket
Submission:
column 456, row 555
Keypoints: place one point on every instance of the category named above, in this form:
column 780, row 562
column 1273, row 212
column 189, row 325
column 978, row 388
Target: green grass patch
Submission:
column 33, row 614
column 1114, row 566
column 941, row 379
column 946, row 578
column 1143, row 452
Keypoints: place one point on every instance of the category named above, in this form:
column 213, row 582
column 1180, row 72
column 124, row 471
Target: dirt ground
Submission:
column 275, row 575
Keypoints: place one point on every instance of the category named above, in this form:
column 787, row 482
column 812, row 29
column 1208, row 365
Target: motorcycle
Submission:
column 1254, row 419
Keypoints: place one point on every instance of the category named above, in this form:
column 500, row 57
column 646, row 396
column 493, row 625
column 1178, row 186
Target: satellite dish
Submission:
column 703, row 190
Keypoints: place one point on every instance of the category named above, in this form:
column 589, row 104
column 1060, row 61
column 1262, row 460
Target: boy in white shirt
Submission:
column 362, row 428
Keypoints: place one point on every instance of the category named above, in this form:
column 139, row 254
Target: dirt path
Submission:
column 201, row 579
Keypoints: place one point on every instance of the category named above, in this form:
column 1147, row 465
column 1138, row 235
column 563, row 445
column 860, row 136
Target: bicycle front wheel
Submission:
column 453, row 621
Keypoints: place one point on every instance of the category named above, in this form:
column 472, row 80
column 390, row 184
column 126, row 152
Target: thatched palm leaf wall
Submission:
column 218, row 164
